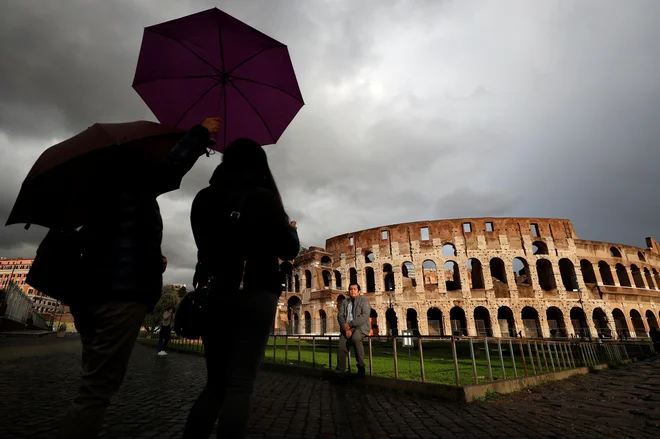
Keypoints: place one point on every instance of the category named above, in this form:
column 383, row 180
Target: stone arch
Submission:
column 458, row 321
column 546, row 275
column 506, row 321
column 656, row 277
column 392, row 322
column 308, row 323
column 323, row 319
column 556, row 322
column 521, row 271
column 449, row 250
column 482, row 322
column 539, row 248
column 637, row 276
column 352, row 276
column 615, row 252
column 430, row 272
column 294, row 305
column 568, row 276
column 531, row 322
column 649, row 279
column 452, row 276
column 620, row 323
column 289, row 282
column 641, row 256
column 369, row 257
column 373, row 320
column 475, row 274
column 651, row 319
column 605, row 273
column 600, row 322
column 337, row 280
column 388, row 277
column 326, row 260
column 638, row 323
column 579, row 321
column 340, row 299
column 587, row 269
column 497, row 270
column 326, row 278
column 434, row 319
column 622, row 274
column 296, row 323
column 370, row 279
column 308, row 279
column 408, row 273
column 296, row 282
column 412, row 322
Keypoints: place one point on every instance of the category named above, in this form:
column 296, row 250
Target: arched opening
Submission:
column 649, row 279
column 434, row 317
column 326, row 278
column 638, row 323
column 452, row 276
column 338, row 280
column 297, row 283
column 392, row 322
column 579, row 321
column 369, row 257
column 289, row 282
column 340, row 299
column 641, row 256
column 482, row 322
column 656, row 277
column 308, row 279
column 506, row 321
column 497, row 270
column 411, row 321
column 308, row 323
column 371, row 279
column 388, row 277
column 323, row 319
column 458, row 321
column 622, row 274
column 587, row 269
column 521, row 271
column 546, row 275
column 614, row 252
column 293, row 307
column 605, row 273
column 325, row 260
column 373, row 320
column 430, row 273
column 651, row 320
column 296, row 323
column 637, row 276
column 352, row 275
column 531, row 323
column 539, row 248
column 556, row 322
column 448, row 250
column 408, row 273
column 601, row 324
column 568, row 276
column 475, row 274
column 620, row 323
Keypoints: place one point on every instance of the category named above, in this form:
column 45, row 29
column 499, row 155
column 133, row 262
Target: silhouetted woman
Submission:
column 241, row 231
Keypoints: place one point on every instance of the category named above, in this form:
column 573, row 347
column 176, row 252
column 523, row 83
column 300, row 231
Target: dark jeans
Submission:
column 108, row 333
column 234, row 352
column 345, row 345
column 164, row 337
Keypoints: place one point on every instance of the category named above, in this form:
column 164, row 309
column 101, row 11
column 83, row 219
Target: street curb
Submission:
column 27, row 334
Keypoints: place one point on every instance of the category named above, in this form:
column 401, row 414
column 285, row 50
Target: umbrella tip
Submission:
column 27, row 226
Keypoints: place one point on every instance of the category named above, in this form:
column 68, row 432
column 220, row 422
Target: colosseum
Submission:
column 499, row 277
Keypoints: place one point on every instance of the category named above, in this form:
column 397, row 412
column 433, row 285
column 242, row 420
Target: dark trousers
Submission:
column 345, row 345
column 233, row 355
column 108, row 333
column 164, row 337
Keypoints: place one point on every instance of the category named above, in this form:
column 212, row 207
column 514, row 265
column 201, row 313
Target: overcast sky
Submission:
column 417, row 109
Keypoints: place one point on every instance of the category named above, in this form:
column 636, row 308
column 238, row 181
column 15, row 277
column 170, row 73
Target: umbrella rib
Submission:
column 185, row 113
column 175, row 77
column 224, row 83
column 187, row 48
column 246, row 60
column 255, row 110
column 269, row 86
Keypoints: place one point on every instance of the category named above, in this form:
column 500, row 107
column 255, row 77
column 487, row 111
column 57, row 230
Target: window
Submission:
column 489, row 226
column 425, row 233
column 351, row 240
column 467, row 227
column 384, row 235
column 535, row 230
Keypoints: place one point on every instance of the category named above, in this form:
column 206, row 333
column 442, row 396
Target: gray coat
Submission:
column 361, row 314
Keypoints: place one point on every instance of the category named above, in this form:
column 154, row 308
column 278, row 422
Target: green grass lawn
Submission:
column 438, row 358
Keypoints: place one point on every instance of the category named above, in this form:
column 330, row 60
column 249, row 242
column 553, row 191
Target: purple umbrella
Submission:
column 210, row 64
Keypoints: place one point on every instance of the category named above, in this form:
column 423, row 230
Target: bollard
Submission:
column 371, row 363
column 396, row 360
column 474, row 363
column 421, row 359
column 513, row 360
column 499, row 348
column 453, row 349
column 490, row 369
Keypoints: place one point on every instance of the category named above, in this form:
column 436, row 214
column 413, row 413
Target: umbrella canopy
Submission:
column 56, row 191
column 211, row 64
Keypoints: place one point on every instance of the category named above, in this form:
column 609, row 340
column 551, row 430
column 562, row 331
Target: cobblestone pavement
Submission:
column 38, row 380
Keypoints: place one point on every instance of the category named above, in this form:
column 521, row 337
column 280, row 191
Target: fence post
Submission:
column 275, row 348
column 490, row 369
column 330, row 352
column 396, row 360
column 545, row 358
column 286, row 349
column 531, row 357
column 538, row 359
column 513, row 359
column 453, row 349
column 298, row 351
column 522, row 354
column 314, row 351
column 474, row 363
column 371, row 362
column 499, row 348
column 421, row 358
column 552, row 362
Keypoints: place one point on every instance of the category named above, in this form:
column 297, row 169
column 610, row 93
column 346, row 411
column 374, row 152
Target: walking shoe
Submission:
column 162, row 353
column 361, row 371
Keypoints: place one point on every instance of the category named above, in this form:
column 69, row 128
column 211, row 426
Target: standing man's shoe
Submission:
column 361, row 371
column 162, row 353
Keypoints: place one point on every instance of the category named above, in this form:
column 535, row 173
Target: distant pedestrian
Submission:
column 165, row 330
column 122, row 266
column 353, row 318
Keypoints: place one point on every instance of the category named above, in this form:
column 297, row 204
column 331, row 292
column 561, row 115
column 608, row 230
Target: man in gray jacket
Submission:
column 353, row 318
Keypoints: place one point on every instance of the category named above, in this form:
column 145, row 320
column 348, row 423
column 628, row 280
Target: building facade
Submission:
column 498, row 277
column 15, row 270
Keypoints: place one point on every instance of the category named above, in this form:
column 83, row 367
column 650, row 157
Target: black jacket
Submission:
column 122, row 237
column 263, row 236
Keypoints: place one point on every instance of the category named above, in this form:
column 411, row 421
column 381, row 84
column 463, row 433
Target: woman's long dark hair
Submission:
column 245, row 165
